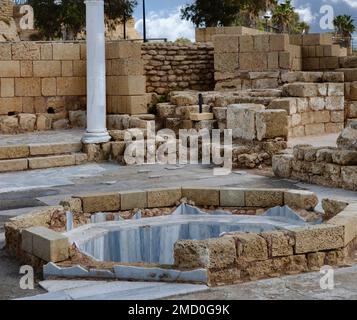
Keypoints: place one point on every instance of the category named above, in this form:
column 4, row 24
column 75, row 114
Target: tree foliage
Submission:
column 284, row 16
column 53, row 17
column 344, row 25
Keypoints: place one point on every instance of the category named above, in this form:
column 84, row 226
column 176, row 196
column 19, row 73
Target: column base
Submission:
column 98, row 137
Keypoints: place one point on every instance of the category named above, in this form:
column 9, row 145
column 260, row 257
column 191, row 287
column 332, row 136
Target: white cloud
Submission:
column 351, row 3
column 166, row 24
column 306, row 14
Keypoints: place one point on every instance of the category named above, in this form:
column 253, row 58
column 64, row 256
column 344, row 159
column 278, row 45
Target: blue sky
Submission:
column 163, row 16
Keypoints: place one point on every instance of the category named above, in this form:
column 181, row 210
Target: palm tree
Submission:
column 284, row 16
column 344, row 27
column 251, row 10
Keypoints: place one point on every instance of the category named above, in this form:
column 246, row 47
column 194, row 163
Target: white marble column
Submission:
column 96, row 88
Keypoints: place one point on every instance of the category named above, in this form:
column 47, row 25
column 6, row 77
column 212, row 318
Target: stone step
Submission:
column 9, row 152
column 45, row 162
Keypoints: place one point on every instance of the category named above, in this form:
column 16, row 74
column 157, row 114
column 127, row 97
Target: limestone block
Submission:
column 25, row 51
column 282, row 165
column 54, row 148
column 26, row 68
column 317, row 103
column 315, row 129
column 133, row 200
column 158, row 198
column 123, row 49
column 246, row 43
column 220, row 113
column 202, row 196
column 71, row 86
column 13, row 165
column 9, row 69
column 51, row 162
column 5, row 51
column 287, row 104
column 336, row 89
column 48, row 87
column 185, row 111
column 201, row 116
column 349, row 177
column 72, row 204
column 46, row 51
column 301, row 199
column 314, row 39
column 27, row 122
column 184, row 99
column 67, row 68
column 315, row 260
column 43, row 122
column 232, row 197
column 273, row 60
column 14, row 152
column 345, row 157
column 280, row 243
column 118, row 149
column 348, row 139
column 261, row 43
column 253, row 61
column 271, row 124
column 45, row 244
column 333, row 207
column 265, row 198
column 226, row 62
column 279, row 42
column 60, row 124
column 250, row 247
column 241, row 119
column 7, row 87
column 327, row 63
column 9, row 124
column 226, row 43
column 101, row 202
column 79, row 68
column 126, row 67
column 299, row 89
column 285, row 60
column 28, row 87
column 117, row 135
column 333, row 127
column 81, row 158
column 78, row 118
column 331, row 76
column 66, row 51
column 165, row 110
column 47, row 69
column 318, row 238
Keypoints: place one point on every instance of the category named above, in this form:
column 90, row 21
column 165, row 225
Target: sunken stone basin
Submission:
column 151, row 240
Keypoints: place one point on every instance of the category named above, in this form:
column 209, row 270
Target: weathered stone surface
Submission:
column 280, row 243
column 78, row 118
column 301, row 199
column 81, row 158
column 191, row 254
column 54, row 148
column 345, row 157
column 52, row 161
column 333, row 207
column 13, row 165
column 315, row 260
column 133, row 200
column 100, row 202
column 14, row 152
column 348, row 139
column 202, row 196
column 201, row 116
column 72, row 204
column 46, row 244
column 250, row 247
column 163, row 197
column 9, row 124
column 318, row 238
column 232, row 197
column 282, row 165
column 265, row 198
column 271, row 124
column 287, row 104
column 241, row 119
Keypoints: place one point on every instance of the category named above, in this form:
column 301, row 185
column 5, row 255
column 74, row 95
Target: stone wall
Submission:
column 40, row 84
column 43, row 84
column 235, row 55
column 170, row 66
column 207, row 34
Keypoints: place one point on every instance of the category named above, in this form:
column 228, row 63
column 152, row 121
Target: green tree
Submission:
column 344, row 27
column 284, row 16
column 207, row 13
column 251, row 10
column 297, row 26
column 53, row 17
